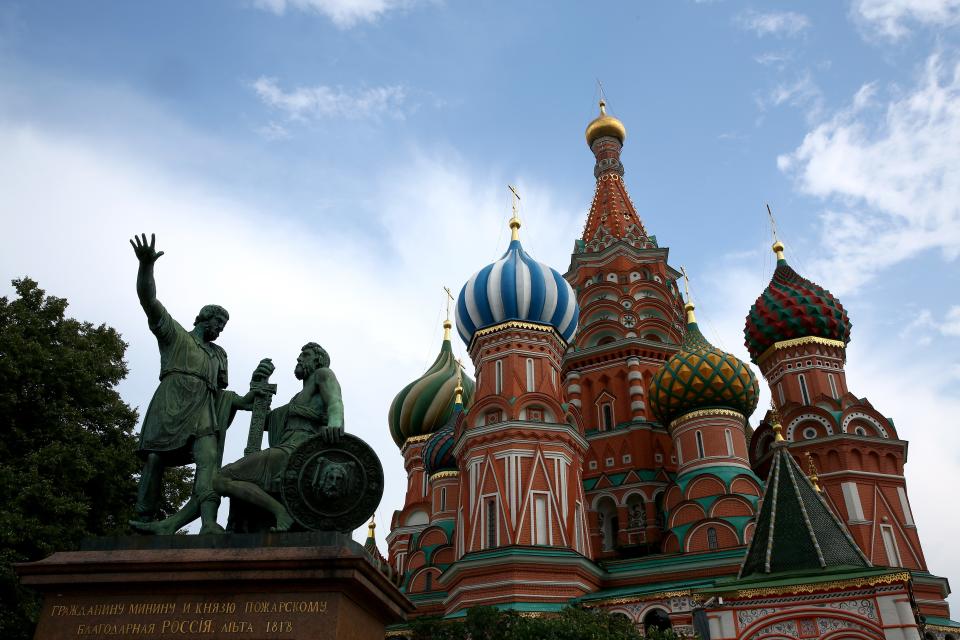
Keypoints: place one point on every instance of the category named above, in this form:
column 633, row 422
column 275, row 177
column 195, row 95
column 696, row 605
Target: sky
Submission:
column 323, row 168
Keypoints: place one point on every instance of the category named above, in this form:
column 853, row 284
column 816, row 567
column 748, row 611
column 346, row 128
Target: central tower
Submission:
column 521, row 520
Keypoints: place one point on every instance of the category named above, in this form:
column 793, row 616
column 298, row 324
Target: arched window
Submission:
column 803, row 389
column 530, row 376
column 498, row 376
column 443, row 498
column 609, row 524
column 635, row 512
column 656, row 619
column 712, row 538
column 606, row 416
column 780, row 392
column 729, row 438
column 833, row 386
column 700, row 452
column 428, row 586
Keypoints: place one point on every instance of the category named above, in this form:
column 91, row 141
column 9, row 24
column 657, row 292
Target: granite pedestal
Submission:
column 290, row 586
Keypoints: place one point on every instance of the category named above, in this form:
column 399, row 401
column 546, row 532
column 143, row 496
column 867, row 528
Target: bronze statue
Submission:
column 316, row 411
column 191, row 409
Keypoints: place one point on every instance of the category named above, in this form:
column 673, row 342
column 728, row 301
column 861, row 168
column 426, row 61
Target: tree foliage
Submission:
column 68, row 460
column 571, row 623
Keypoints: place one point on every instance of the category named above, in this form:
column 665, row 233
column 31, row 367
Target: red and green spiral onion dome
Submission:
column 793, row 307
column 700, row 376
column 426, row 404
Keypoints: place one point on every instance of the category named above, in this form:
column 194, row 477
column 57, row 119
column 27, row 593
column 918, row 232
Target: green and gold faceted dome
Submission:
column 426, row 404
column 700, row 376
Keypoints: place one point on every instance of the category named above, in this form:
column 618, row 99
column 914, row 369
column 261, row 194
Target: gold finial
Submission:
column 689, row 306
column 775, row 420
column 812, row 473
column 447, row 325
column 371, row 526
column 515, row 220
column 777, row 245
column 459, row 388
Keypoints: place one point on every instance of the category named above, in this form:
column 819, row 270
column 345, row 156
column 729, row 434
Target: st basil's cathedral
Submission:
column 602, row 454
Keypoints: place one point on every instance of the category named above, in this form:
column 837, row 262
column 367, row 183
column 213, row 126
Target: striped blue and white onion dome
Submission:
column 516, row 287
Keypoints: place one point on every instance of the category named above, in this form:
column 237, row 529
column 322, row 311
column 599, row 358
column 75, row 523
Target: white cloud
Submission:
column 951, row 324
column 273, row 131
column 321, row 102
column 343, row 13
column 890, row 176
column 775, row 23
column 891, row 18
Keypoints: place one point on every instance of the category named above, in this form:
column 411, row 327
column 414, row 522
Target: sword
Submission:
column 261, row 407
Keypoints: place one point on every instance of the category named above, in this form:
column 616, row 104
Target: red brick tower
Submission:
column 797, row 333
column 521, row 519
column 631, row 322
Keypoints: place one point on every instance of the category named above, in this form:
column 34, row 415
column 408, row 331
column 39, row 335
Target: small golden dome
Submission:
column 605, row 125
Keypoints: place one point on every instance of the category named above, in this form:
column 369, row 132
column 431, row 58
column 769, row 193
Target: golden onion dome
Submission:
column 605, row 125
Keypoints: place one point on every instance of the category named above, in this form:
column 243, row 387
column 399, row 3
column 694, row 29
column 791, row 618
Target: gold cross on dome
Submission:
column 773, row 223
column 449, row 300
column 515, row 220
column 686, row 282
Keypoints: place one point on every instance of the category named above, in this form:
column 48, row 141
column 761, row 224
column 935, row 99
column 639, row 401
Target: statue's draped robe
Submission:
column 191, row 400
column 265, row 468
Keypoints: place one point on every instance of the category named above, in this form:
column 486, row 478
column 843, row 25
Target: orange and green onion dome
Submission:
column 793, row 307
column 700, row 376
column 426, row 404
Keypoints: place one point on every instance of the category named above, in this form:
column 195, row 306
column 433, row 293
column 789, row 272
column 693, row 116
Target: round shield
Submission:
column 332, row 487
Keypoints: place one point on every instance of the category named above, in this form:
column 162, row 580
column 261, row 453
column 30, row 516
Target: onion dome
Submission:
column 516, row 287
column 793, row 307
column 438, row 452
column 426, row 404
column 605, row 125
column 700, row 376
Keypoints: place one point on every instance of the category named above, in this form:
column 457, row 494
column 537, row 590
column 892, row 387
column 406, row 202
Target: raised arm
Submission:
column 146, row 285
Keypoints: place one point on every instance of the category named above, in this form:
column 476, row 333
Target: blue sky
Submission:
column 324, row 167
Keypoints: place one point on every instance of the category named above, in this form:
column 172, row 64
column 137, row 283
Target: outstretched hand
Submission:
column 146, row 253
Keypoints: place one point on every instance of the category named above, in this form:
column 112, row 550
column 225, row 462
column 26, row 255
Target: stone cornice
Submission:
column 796, row 342
column 706, row 413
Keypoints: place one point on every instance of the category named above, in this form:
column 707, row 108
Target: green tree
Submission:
column 68, row 460
column 571, row 623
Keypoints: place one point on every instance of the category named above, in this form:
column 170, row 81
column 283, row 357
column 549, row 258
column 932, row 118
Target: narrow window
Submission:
column 530, row 382
column 700, row 445
column 726, row 433
column 491, row 515
column 607, row 410
column 712, row 538
column 429, row 582
column 803, row 389
column 553, row 376
column 851, row 496
column 780, row 392
column 540, row 520
column 833, row 385
column 498, row 377
column 578, row 528
column 890, row 546
column 443, row 498
column 907, row 515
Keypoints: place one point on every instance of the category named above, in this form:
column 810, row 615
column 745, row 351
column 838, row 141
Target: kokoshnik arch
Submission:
column 603, row 456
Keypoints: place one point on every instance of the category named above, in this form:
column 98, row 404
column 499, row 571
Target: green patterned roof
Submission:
column 700, row 376
column 426, row 404
column 796, row 529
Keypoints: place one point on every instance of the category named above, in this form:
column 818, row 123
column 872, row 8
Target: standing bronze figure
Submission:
column 191, row 408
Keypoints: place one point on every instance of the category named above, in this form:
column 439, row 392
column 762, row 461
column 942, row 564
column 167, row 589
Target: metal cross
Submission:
column 773, row 223
column 449, row 300
column 516, row 199
column 686, row 282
